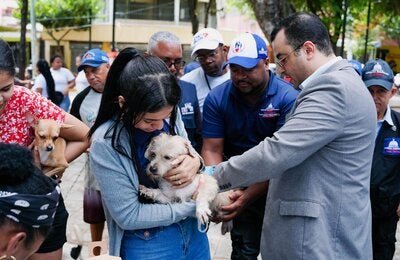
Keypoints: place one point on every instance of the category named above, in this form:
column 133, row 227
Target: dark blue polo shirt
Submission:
column 242, row 125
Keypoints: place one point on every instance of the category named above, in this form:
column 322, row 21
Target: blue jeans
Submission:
column 178, row 241
column 65, row 103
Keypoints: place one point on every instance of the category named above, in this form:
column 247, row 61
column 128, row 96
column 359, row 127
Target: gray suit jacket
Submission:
column 319, row 166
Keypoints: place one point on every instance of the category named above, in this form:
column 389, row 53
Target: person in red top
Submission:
column 15, row 103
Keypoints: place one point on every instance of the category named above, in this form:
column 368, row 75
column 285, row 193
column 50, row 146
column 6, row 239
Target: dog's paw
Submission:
column 226, row 227
column 203, row 214
column 144, row 191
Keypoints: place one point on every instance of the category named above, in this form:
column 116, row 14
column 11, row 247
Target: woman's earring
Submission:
column 121, row 101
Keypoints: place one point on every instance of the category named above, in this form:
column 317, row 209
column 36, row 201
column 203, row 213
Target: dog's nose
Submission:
column 153, row 169
column 49, row 148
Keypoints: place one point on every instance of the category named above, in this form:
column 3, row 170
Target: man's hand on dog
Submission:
column 240, row 201
column 184, row 169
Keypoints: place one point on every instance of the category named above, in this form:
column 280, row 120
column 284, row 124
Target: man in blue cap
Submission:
column 385, row 173
column 95, row 64
column 237, row 115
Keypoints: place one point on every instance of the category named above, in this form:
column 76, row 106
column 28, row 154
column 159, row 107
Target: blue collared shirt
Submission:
column 387, row 118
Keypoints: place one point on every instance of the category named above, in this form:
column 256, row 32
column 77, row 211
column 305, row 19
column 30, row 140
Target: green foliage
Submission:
column 56, row 15
column 244, row 7
column 384, row 18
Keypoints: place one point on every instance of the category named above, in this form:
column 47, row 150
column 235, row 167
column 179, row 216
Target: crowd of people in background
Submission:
column 311, row 148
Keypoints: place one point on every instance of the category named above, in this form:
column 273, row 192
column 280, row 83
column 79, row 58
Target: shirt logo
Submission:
column 391, row 146
column 269, row 112
column 187, row 109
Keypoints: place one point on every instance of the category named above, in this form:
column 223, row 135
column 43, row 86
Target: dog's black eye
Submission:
column 54, row 138
column 152, row 155
column 42, row 137
column 167, row 157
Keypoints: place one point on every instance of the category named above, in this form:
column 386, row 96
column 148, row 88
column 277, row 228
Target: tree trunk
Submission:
column 269, row 12
column 22, row 43
column 193, row 15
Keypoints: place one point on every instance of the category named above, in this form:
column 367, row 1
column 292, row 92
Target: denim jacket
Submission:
column 119, row 187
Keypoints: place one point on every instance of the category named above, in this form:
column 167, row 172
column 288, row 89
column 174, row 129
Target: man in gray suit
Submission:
column 319, row 162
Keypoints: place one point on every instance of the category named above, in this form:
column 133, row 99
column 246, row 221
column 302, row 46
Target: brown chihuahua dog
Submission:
column 51, row 147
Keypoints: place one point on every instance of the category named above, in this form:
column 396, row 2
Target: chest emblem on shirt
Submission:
column 391, row 146
column 187, row 109
column 269, row 112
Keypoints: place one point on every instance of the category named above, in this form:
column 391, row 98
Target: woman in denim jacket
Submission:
column 140, row 101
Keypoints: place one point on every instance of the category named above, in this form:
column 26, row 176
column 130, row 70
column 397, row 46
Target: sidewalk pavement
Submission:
column 72, row 190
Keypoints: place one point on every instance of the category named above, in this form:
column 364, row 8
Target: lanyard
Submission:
column 208, row 83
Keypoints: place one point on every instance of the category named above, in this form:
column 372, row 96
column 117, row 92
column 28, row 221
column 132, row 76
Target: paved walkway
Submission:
column 72, row 189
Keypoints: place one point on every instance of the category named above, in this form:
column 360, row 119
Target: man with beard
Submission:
column 209, row 50
column 237, row 116
column 319, row 162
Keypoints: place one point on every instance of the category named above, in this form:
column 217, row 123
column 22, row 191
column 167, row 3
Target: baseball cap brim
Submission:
column 205, row 44
column 379, row 82
column 91, row 63
column 245, row 62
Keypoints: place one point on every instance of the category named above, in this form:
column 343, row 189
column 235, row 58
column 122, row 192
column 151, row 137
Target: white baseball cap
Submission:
column 206, row 38
column 247, row 50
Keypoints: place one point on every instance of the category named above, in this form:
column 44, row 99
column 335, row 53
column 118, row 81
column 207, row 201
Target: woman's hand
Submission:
column 185, row 168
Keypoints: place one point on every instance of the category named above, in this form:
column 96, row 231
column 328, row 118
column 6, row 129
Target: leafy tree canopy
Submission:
column 56, row 15
column 384, row 13
column 61, row 14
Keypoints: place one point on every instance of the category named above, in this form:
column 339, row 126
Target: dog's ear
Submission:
column 148, row 150
column 31, row 118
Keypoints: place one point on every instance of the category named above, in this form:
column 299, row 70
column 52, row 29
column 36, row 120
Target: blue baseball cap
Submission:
column 378, row 73
column 93, row 58
column 356, row 65
column 247, row 50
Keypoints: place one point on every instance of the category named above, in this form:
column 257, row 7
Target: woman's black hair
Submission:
column 44, row 68
column 146, row 85
column 19, row 174
column 7, row 61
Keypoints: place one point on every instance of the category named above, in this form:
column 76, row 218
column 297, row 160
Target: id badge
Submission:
column 391, row 146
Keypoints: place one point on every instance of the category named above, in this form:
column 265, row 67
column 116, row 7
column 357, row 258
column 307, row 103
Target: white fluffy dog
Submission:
column 162, row 150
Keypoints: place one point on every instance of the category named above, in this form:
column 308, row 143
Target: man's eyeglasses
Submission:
column 177, row 63
column 282, row 61
column 209, row 55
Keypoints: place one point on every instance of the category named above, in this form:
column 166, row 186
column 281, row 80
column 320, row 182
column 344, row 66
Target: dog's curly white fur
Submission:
column 162, row 150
